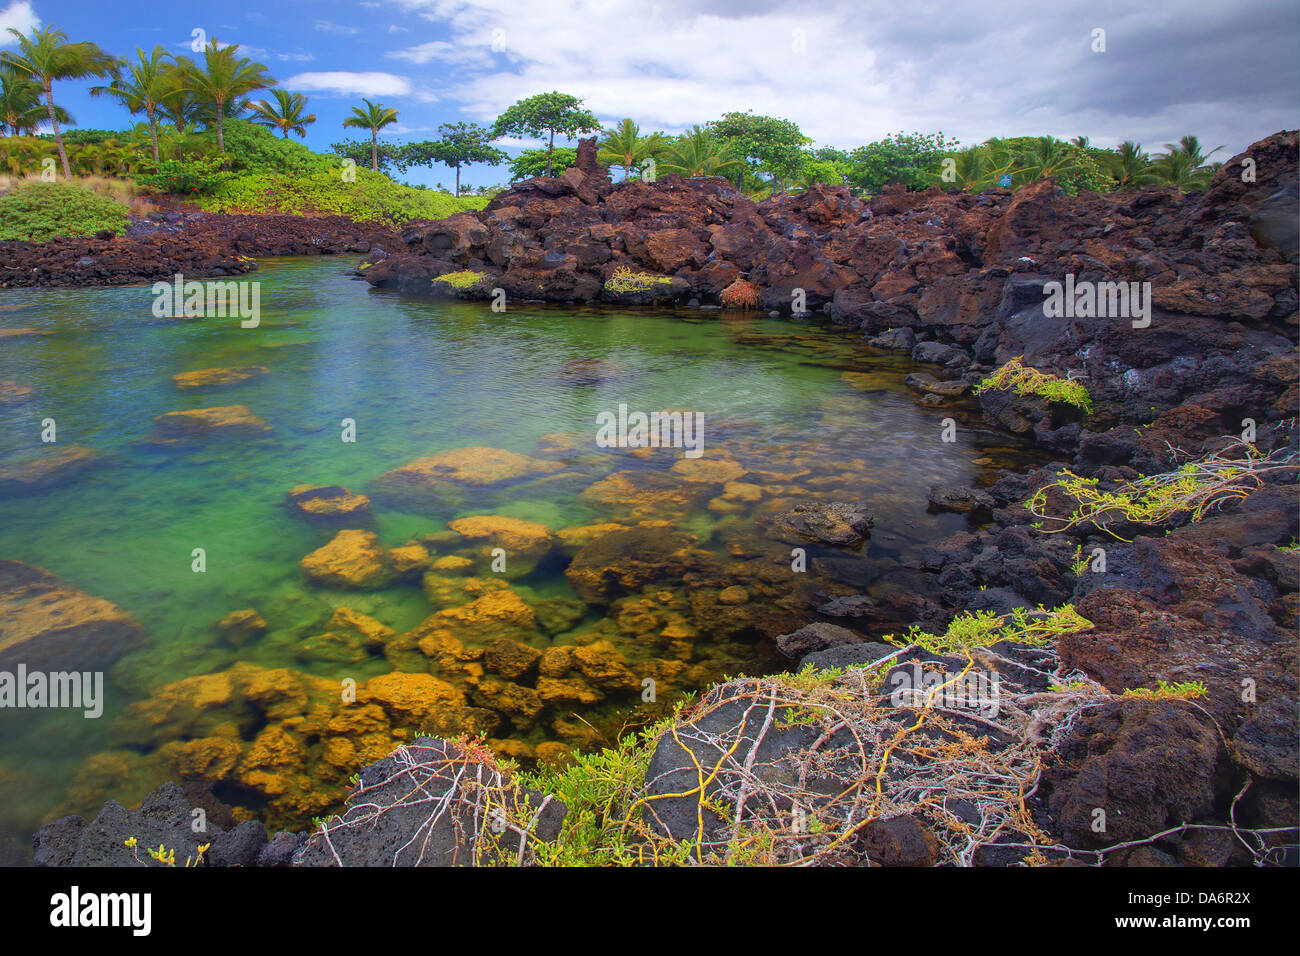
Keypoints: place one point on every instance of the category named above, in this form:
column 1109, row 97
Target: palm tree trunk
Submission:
column 457, row 180
column 153, row 133
column 58, row 137
column 374, row 149
column 550, row 146
column 221, row 139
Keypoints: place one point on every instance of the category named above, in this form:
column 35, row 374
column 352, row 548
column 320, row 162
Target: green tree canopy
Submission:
column 142, row 87
column 222, row 78
column 546, row 115
column 766, row 144
column 458, row 144
column 288, row 114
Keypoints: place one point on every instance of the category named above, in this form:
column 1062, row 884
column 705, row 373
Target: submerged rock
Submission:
column 217, row 377
column 844, row 524
column 525, row 542
column 200, row 423
column 815, row 637
column 352, row 559
column 326, row 504
column 11, row 393
column 240, row 627
column 53, row 467
column 47, row 624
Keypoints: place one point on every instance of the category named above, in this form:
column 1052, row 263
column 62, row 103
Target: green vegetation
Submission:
column 1027, row 381
column 700, row 153
column 223, row 77
column 741, row 294
column 972, row 629
column 462, row 280
column 625, row 147
column 459, row 144
column 372, row 198
column 288, row 114
column 374, row 118
column 1183, row 690
column 535, row 162
column 35, row 212
column 624, row 279
column 546, row 114
column 1190, row 491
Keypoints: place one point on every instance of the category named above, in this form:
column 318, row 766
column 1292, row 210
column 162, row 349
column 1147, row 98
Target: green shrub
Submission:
column 36, row 212
column 194, row 174
column 372, row 198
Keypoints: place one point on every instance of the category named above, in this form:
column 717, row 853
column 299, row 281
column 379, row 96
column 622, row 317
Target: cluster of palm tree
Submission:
column 164, row 88
column 1021, row 160
column 694, row 153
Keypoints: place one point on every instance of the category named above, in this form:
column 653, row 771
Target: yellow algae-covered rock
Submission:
column 646, row 493
column 278, row 693
column 605, row 667
column 47, row 624
column 711, row 470
column 217, row 377
column 555, row 661
column 741, row 491
column 521, row 704
column 372, row 631
column 352, row 559
column 186, row 708
column 327, row 504
column 409, row 561
column 572, row 540
column 53, row 466
column 450, row 591
column 510, row 659
column 414, row 700
column 428, row 478
column 513, row 749
column 524, row 542
column 568, row 692
column 240, row 627
column 626, row 561
column 488, row 615
column 725, row 506
column 452, row 564
column 205, row 422
column 733, row 595
column 208, row 758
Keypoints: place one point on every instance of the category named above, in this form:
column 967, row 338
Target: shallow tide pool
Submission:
column 805, row 413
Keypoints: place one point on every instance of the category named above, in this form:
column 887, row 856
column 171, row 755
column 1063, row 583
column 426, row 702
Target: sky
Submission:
column 847, row 71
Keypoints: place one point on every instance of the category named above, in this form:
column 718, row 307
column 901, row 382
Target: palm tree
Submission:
column 1184, row 165
column 223, row 78
column 286, row 115
column 976, row 169
column 625, row 147
column 1131, row 167
column 374, row 118
column 47, row 55
column 142, row 90
column 1047, row 157
column 700, row 153
column 21, row 110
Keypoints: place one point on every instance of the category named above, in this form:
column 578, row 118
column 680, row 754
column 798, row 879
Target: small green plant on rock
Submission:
column 1023, row 380
column 972, row 629
column 463, row 280
column 1182, row 690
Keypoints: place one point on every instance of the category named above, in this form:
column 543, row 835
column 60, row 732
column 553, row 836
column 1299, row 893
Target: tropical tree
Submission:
column 459, row 144
column 546, row 114
column 535, row 162
column 47, row 55
column 1047, row 158
column 974, row 170
column 1183, row 165
column 766, row 144
column 625, row 147
column 374, row 118
column 21, row 109
column 903, row 158
column 1131, row 167
column 288, row 113
column 700, row 153
column 223, row 77
column 143, row 87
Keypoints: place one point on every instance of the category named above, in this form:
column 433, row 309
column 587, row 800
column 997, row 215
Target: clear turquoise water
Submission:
column 418, row 377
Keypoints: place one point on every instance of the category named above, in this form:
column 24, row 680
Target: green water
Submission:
column 417, row 377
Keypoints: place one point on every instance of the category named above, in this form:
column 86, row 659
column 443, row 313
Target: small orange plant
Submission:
column 741, row 294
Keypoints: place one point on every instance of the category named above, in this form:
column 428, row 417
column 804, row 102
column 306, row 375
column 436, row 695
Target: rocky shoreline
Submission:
column 958, row 281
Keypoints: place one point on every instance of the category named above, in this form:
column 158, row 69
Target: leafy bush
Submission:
column 624, row 279
column 464, row 279
column 903, row 158
column 255, row 149
column 372, row 198
column 36, row 212
column 195, row 174
column 1029, row 381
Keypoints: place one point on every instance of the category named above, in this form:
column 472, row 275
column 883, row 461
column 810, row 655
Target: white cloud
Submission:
column 351, row 84
column 327, row 27
column 18, row 16
column 851, row 71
